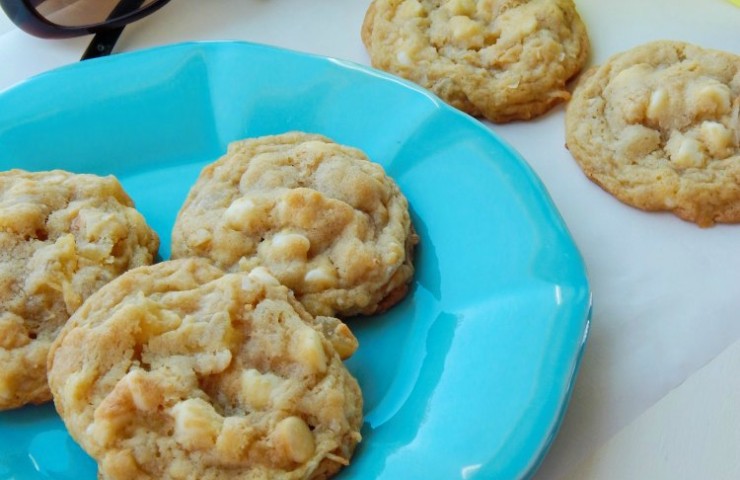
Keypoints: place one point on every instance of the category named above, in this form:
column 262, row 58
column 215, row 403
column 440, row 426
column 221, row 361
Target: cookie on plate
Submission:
column 62, row 236
column 658, row 127
column 325, row 220
column 181, row 371
column 499, row 59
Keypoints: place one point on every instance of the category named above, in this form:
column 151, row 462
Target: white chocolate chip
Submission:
column 403, row 58
column 144, row 394
column 630, row 76
column 636, row 141
column 208, row 363
column 685, row 152
column 460, row 7
column 257, row 388
column 520, row 22
column 658, row 105
column 465, row 31
column 239, row 213
column 262, row 276
column 713, row 99
column 197, row 424
column 410, row 9
column 294, row 440
column 289, row 246
column 340, row 336
column 717, row 138
column 630, row 98
column 308, row 349
column 321, row 277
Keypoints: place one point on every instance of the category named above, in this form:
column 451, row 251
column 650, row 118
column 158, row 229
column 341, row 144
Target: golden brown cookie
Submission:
column 182, row 371
column 326, row 221
column 658, row 127
column 62, row 236
column 499, row 59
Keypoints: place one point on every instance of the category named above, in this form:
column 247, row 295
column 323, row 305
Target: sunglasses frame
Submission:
column 27, row 18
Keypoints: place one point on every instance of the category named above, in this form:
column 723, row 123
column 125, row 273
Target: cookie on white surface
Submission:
column 658, row 127
column 499, row 59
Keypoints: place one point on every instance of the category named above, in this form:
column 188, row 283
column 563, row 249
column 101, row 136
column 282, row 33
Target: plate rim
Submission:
column 564, row 397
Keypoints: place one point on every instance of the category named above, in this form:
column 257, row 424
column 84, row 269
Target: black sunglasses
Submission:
column 72, row 18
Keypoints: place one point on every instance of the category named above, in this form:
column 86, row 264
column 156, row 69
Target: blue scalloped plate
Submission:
column 469, row 376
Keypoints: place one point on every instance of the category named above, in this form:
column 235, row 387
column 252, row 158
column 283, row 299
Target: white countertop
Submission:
column 666, row 293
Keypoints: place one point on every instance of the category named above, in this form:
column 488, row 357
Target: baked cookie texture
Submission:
column 182, row 371
column 62, row 236
column 499, row 59
column 325, row 220
column 658, row 127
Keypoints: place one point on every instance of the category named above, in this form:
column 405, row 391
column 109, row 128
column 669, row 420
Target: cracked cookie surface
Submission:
column 182, row 371
column 62, row 236
column 499, row 59
column 658, row 126
column 325, row 220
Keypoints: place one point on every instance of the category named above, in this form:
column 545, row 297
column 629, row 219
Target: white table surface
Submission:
column 666, row 293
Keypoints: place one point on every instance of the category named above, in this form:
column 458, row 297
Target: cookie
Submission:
column 326, row 221
column 499, row 59
column 658, row 127
column 62, row 236
column 181, row 371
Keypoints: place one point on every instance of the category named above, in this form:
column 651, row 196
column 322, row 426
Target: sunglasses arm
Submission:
column 102, row 43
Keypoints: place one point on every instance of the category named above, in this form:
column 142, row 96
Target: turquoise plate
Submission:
column 469, row 376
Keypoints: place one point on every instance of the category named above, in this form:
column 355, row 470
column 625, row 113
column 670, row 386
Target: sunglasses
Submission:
column 71, row 18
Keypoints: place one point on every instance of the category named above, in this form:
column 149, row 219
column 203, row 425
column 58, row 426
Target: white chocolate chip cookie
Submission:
column 62, row 236
column 182, row 371
column 500, row 59
column 658, row 127
column 321, row 217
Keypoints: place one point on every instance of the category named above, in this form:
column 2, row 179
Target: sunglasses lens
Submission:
column 80, row 13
